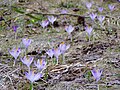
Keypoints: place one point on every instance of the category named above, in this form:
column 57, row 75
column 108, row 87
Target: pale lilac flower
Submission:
column 32, row 76
column 88, row 5
column 63, row 47
column 15, row 52
column 118, row 0
column 56, row 52
column 40, row 64
column 15, row 28
column 97, row 74
column 63, row 11
column 27, row 60
column 44, row 23
column 50, row 53
column 52, row 19
column 69, row 29
column 101, row 18
column 100, row 9
column 111, row 7
column 26, row 42
column 88, row 30
column 93, row 16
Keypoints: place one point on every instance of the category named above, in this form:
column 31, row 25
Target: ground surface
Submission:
column 103, row 51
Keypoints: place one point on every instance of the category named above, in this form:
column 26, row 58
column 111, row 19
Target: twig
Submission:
column 5, row 65
column 59, row 14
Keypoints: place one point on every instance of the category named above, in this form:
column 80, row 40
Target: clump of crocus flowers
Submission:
column 32, row 76
column 56, row 52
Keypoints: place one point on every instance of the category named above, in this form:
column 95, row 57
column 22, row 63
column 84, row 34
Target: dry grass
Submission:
column 102, row 51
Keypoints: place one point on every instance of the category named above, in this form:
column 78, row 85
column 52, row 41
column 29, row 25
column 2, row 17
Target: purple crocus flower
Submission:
column 57, row 52
column 52, row 19
column 50, row 53
column 88, row 30
column 69, row 29
column 88, row 5
column 27, row 60
column 63, row 11
column 40, row 64
column 63, row 47
column 97, row 74
column 111, row 7
column 101, row 18
column 32, row 76
column 15, row 28
column 100, row 9
column 15, row 52
column 93, row 16
column 44, row 23
column 26, row 42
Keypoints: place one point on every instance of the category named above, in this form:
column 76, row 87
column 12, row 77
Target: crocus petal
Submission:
column 40, row 64
column 69, row 29
column 15, row 28
column 50, row 53
column 100, row 9
column 15, row 52
column 88, row 29
column 26, row 42
column 64, row 11
column 88, row 5
column 44, row 23
column 32, row 76
column 67, row 47
column 111, row 7
column 27, row 61
column 101, row 18
column 63, row 47
column 56, row 52
column 37, row 76
column 93, row 16
column 52, row 19
column 97, row 74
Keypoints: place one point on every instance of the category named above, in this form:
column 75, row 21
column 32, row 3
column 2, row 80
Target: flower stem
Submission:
column 29, row 69
column 57, row 60
column 89, row 38
column 98, row 87
column 46, row 74
column 15, row 35
column 14, row 62
column 71, row 38
column 63, row 59
column 31, row 86
column 26, row 49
